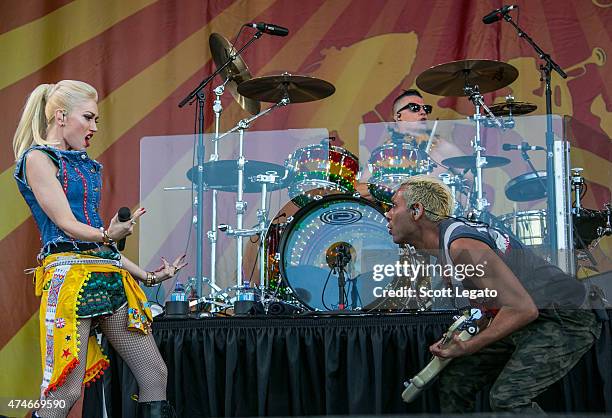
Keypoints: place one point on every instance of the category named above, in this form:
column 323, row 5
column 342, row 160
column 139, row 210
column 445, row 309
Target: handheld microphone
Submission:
column 123, row 215
column 496, row 15
column 269, row 28
column 522, row 147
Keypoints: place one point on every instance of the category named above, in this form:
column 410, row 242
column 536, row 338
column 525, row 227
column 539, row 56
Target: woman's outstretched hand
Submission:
column 168, row 270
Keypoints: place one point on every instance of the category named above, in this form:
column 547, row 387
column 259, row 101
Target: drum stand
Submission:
column 212, row 233
column 475, row 97
column 241, row 206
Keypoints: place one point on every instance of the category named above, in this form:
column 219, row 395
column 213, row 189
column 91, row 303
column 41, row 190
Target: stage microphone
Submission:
column 522, row 147
column 123, row 215
column 339, row 253
column 269, row 28
column 496, row 15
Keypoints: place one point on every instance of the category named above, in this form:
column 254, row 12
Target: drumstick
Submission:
column 433, row 131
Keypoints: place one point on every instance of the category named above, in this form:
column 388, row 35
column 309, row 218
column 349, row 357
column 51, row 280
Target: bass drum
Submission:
column 308, row 247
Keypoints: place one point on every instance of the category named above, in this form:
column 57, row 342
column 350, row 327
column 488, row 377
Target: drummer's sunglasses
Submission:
column 415, row 107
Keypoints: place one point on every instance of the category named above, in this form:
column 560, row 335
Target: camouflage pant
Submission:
column 521, row 365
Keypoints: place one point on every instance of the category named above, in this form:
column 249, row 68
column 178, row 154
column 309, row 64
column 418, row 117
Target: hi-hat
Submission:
column 235, row 73
column 512, row 108
column 469, row 162
column 297, row 88
column 222, row 175
column 449, row 79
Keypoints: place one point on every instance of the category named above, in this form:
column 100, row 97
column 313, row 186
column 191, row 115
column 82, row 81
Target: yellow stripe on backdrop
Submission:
column 28, row 48
column 131, row 102
column 21, row 368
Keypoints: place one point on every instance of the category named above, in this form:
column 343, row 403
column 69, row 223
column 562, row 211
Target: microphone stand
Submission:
column 200, row 95
column 533, row 169
column 342, row 259
column 551, row 215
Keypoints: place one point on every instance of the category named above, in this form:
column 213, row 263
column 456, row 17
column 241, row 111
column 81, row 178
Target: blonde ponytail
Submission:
column 39, row 110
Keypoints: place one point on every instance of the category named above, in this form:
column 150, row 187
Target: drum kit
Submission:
column 321, row 257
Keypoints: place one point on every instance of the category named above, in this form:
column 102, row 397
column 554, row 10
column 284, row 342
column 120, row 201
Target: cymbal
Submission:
column 512, row 108
column 527, row 187
column 297, row 88
column 450, row 78
column 222, row 175
column 235, row 73
column 469, row 161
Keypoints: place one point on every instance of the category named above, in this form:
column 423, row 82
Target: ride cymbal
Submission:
column 449, row 79
column 297, row 88
column 235, row 73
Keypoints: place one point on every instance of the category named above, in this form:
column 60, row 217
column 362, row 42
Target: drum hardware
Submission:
column 481, row 161
column 241, row 205
column 456, row 183
column 471, row 78
column 338, row 255
column 175, row 188
column 238, row 72
column 577, row 187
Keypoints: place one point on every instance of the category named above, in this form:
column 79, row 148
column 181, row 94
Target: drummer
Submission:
column 411, row 114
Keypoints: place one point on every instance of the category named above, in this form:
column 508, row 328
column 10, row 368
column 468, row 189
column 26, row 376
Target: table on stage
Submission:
column 273, row 366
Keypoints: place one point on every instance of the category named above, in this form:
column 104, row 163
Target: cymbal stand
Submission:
column 473, row 93
column 200, row 95
column 241, row 206
column 212, row 233
column 476, row 98
column 271, row 177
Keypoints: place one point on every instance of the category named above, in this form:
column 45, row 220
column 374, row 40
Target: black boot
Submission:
column 156, row 409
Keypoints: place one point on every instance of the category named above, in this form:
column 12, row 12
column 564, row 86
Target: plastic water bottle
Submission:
column 246, row 292
column 179, row 293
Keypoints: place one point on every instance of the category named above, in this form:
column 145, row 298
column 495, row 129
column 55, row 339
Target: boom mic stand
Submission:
column 200, row 95
column 551, row 215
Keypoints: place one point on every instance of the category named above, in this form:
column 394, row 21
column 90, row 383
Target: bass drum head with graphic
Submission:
column 316, row 232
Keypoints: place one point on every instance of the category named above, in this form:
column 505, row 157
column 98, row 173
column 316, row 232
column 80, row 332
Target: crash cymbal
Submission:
column 222, row 175
column 469, row 161
column 297, row 88
column 235, row 73
column 527, row 187
column 450, row 78
column 512, row 108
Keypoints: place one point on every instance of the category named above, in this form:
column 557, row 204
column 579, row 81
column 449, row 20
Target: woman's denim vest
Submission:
column 81, row 180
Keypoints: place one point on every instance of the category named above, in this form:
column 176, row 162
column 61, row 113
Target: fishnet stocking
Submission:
column 137, row 350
